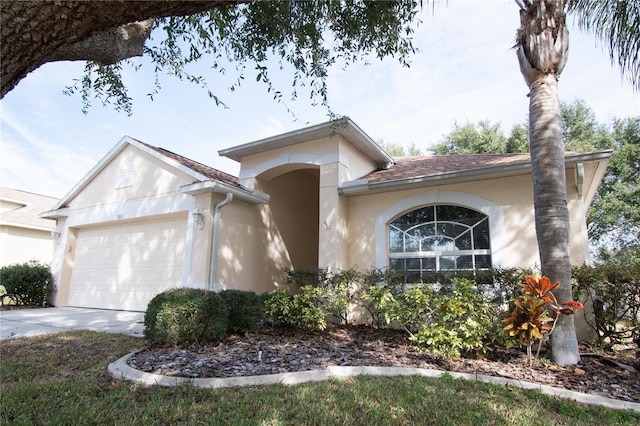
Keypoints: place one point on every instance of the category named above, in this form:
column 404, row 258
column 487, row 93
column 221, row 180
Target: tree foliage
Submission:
column 617, row 24
column 614, row 216
column 305, row 38
column 469, row 138
column 397, row 150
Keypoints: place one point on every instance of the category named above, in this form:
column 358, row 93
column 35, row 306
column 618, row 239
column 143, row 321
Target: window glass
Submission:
column 443, row 238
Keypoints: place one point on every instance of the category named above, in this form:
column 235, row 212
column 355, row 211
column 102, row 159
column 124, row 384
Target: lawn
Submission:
column 62, row 379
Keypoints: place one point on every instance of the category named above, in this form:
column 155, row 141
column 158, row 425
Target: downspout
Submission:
column 215, row 238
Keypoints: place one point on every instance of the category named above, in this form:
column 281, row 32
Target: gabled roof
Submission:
column 209, row 172
column 30, row 205
column 343, row 127
column 430, row 170
column 206, row 178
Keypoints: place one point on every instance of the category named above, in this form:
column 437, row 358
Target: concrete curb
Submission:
column 120, row 370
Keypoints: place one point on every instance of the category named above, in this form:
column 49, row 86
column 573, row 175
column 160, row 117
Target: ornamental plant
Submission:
column 458, row 324
column 28, row 283
column 536, row 313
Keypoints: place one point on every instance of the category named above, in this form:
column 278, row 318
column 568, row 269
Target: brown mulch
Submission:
column 273, row 351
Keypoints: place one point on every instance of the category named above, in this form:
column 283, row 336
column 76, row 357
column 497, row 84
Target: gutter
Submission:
column 251, row 197
column 215, row 239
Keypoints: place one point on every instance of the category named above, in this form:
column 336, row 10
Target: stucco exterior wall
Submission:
column 132, row 175
column 134, row 187
column 294, row 209
column 513, row 241
column 317, row 152
column 252, row 254
column 19, row 245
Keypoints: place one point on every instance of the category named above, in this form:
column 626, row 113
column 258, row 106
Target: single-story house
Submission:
column 24, row 236
column 145, row 219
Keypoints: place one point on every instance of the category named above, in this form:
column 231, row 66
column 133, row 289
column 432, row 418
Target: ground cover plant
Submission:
column 62, row 379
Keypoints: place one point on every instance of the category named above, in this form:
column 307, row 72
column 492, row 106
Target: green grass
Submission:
column 62, row 379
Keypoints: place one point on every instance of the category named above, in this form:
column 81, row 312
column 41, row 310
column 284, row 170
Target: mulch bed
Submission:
column 273, row 351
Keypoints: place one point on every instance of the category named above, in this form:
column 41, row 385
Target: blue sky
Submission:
column 465, row 71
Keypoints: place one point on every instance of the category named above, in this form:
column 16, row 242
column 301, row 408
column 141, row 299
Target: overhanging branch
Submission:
column 107, row 47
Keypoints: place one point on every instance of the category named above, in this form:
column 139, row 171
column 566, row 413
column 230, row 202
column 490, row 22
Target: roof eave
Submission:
column 251, row 197
column 55, row 213
column 362, row 186
column 26, row 226
column 345, row 128
column 120, row 146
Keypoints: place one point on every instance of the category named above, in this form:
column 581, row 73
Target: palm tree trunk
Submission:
column 550, row 204
column 542, row 53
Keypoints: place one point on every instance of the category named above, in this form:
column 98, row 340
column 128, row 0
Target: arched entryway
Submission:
column 294, row 206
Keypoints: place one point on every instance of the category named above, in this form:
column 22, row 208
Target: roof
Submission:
column 30, row 205
column 209, row 172
column 412, row 172
column 343, row 127
column 205, row 178
column 429, row 165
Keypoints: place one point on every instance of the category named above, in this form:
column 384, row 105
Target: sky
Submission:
column 465, row 71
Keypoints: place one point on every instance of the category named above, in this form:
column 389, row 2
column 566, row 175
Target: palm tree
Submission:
column 542, row 50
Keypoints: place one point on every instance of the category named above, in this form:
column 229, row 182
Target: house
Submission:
column 145, row 219
column 24, row 236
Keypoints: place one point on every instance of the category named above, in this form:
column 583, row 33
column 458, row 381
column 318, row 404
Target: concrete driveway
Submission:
column 34, row 322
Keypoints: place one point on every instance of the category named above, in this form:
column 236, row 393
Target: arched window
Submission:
column 439, row 238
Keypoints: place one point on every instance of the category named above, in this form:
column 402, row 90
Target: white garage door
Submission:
column 124, row 266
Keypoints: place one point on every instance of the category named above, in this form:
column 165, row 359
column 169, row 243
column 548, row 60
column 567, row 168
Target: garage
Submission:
column 124, row 265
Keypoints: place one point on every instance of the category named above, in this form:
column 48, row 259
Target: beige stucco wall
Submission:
column 133, row 187
column 294, row 209
column 19, row 245
column 317, row 152
column 252, row 255
column 513, row 195
column 151, row 179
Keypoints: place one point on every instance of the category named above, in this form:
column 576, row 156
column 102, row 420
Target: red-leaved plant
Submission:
column 536, row 313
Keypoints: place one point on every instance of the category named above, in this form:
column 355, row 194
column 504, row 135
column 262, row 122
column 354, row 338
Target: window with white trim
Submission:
column 439, row 238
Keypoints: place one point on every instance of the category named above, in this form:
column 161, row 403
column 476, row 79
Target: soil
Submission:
column 271, row 351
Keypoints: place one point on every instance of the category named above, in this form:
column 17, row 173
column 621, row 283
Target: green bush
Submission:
column 459, row 324
column 380, row 304
column 27, row 283
column 278, row 307
column 414, row 307
column 298, row 278
column 244, row 310
column 339, row 291
column 185, row 315
column 614, row 290
column 297, row 310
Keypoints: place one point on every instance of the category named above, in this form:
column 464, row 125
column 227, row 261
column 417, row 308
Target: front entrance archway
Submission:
column 294, row 206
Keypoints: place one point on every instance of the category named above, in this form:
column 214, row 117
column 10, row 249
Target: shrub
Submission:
column 459, row 323
column 299, row 278
column 380, row 304
column 298, row 310
column 339, row 291
column 27, row 283
column 414, row 307
column 278, row 307
column 185, row 315
column 615, row 292
column 244, row 309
